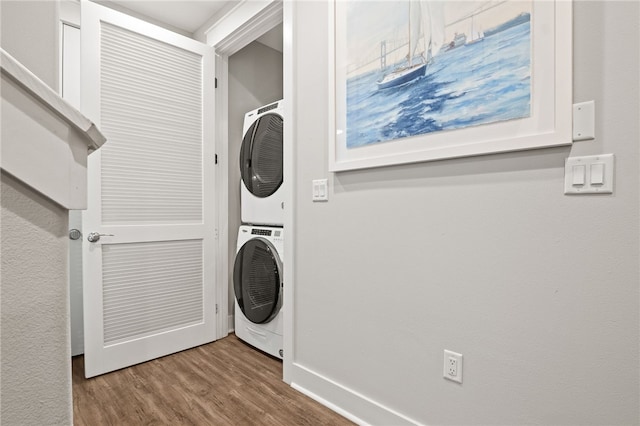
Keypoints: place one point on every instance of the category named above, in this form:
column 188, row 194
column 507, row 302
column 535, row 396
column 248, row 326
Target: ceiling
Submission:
column 187, row 16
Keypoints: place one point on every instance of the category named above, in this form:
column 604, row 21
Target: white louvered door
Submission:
column 149, row 281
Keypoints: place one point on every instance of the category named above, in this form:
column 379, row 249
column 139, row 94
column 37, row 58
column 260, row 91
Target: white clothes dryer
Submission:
column 257, row 283
column 261, row 160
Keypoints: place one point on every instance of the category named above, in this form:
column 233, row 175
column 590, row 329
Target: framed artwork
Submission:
column 426, row 80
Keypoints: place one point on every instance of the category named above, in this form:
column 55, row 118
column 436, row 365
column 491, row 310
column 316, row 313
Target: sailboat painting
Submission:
column 423, row 66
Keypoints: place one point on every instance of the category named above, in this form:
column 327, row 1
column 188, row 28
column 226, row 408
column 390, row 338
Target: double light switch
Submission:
column 589, row 175
column 319, row 190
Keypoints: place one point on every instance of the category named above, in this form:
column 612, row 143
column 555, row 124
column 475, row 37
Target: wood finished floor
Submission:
column 222, row 383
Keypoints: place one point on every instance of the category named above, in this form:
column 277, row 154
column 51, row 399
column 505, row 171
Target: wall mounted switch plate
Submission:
column 319, row 190
column 584, row 117
column 589, row 175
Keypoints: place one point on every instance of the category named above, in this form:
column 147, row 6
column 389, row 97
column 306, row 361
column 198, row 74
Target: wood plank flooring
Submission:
column 222, row 383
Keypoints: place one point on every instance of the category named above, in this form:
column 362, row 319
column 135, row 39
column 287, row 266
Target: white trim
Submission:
column 225, row 322
column 70, row 12
column 289, row 77
column 208, row 29
column 346, row 414
column 51, row 99
column 244, row 24
column 362, row 409
column 226, row 11
column 331, row 74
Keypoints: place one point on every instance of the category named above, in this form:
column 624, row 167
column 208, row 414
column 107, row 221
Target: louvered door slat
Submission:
column 155, row 88
column 138, row 295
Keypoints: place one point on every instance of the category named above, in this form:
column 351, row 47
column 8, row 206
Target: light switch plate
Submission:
column 584, row 117
column 319, row 190
column 598, row 173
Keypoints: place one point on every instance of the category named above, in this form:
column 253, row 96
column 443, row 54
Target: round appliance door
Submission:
column 257, row 280
column 261, row 156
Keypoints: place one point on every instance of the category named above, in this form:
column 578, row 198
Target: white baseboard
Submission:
column 344, row 401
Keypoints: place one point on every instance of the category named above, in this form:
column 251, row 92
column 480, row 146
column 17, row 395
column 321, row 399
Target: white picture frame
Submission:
column 549, row 123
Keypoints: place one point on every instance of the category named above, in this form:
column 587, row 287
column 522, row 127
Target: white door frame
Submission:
column 69, row 15
column 290, row 169
column 253, row 19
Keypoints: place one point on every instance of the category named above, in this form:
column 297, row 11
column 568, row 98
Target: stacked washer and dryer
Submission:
column 257, row 271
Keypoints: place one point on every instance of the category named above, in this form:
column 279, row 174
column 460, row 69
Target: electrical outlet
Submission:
column 452, row 368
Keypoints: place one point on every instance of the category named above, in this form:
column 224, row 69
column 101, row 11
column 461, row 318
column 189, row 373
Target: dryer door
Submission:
column 261, row 156
column 257, row 280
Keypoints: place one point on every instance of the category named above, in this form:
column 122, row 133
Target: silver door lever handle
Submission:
column 95, row 236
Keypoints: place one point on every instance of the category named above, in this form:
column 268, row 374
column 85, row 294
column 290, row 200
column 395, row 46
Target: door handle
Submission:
column 94, row 237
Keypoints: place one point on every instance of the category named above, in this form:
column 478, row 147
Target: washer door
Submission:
column 257, row 280
column 261, row 156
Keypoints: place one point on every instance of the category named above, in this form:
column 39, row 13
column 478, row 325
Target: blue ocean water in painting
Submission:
column 480, row 83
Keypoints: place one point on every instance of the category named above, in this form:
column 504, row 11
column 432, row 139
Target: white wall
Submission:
column 30, row 34
column 36, row 369
column 255, row 79
column 36, row 374
column 484, row 256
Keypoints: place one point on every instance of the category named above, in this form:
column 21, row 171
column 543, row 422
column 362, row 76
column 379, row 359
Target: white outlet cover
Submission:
column 584, row 121
column 448, row 357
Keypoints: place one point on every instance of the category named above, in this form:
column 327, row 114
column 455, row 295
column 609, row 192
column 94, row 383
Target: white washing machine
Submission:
column 261, row 158
column 257, row 284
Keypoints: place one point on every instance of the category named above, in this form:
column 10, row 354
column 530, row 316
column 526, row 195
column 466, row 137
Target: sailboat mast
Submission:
column 409, row 58
column 473, row 30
